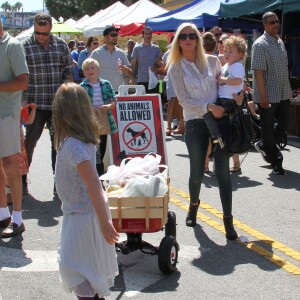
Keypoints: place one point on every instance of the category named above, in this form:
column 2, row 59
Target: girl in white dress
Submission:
column 86, row 254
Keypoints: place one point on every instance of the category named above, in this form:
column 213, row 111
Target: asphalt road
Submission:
column 264, row 264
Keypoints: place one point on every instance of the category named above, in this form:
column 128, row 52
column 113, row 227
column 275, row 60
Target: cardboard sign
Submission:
column 140, row 123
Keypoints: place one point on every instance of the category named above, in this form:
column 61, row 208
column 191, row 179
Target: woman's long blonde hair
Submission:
column 175, row 55
column 73, row 115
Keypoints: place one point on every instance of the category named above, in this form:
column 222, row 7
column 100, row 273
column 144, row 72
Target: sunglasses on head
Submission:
column 184, row 36
column 41, row 33
column 113, row 34
column 218, row 34
column 273, row 22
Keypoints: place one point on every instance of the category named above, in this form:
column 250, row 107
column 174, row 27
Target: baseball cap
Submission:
column 81, row 44
column 130, row 41
column 109, row 29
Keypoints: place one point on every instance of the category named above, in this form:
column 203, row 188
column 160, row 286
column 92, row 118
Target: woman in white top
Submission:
column 194, row 76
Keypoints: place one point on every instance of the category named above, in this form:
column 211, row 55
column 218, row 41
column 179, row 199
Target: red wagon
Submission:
column 137, row 215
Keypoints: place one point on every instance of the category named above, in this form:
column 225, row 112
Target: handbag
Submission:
column 241, row 133
column 103, row 120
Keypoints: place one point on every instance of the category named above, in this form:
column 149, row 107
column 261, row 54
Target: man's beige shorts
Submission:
column 9, row 136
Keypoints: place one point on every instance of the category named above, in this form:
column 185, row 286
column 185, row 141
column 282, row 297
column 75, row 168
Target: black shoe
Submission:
column 12, row 230
column 229, row 229
column 4, row 223
column 278, row 170
column 260, row 148
column 190, row 220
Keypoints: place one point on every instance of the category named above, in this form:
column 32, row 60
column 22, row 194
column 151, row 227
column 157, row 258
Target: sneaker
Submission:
column 260, row 148
column 278, row 170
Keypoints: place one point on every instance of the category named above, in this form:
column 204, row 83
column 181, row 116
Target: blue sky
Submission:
column 28, row 5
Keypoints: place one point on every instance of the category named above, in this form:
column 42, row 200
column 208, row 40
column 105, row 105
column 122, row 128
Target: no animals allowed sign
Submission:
column 140, row 124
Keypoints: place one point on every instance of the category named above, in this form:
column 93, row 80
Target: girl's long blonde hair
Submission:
column 175, row 55
column 73, row 115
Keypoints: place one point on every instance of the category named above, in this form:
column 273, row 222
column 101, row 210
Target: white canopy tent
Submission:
column 82, row 19
column 137, row 13
column 70, row 22
column 108, row 12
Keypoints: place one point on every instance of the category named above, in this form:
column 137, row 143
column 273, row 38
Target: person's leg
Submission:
column 3, row 203
column 33, row 134
column 282, row 116
column 206, row 166
column 100, row 155
column 178, row 113
column 4, row 211
column 169, row 116
column 51, row 133
column 181, row 125
column 196, row 139
column 236, row 163
column 12, row 172
column 221, row 160
column 267, row 122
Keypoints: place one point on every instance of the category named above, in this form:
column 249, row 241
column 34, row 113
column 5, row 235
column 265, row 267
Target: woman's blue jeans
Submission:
column 196, row 139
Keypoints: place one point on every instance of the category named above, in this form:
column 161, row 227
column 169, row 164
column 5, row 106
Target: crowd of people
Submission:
column 70, row 88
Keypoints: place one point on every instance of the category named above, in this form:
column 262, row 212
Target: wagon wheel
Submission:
column 170, row 227
column 168, row 255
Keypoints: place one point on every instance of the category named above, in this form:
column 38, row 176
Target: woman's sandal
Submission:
column 168, row 132
column 178, row 131
column 235, row 169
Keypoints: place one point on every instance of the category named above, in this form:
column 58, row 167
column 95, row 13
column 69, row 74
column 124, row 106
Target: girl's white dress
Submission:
column 87, row 263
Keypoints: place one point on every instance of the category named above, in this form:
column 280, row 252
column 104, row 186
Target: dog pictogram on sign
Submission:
column 137, row 136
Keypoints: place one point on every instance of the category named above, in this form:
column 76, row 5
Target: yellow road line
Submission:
column 284, row 264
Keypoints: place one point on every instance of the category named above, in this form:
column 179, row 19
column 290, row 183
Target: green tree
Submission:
column 65, row 8
column 77, row 8
column 17, row 6
column 6, row 6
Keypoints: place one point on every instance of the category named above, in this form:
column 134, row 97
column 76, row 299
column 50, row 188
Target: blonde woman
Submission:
column 194, row 75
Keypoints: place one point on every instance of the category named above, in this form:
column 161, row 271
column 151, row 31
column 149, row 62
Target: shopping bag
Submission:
column 103, row 120
column 153, row 81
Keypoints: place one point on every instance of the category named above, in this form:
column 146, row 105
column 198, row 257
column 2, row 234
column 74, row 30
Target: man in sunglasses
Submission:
column 146, row 55
column 272, row 91
column 50, row 63
column 217, row 32
column 112, row 60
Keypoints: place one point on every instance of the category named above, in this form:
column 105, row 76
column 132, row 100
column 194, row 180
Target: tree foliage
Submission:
column 6, row 6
